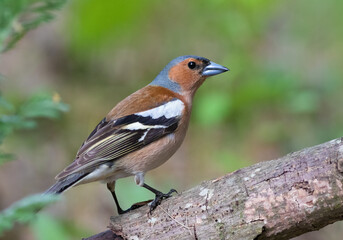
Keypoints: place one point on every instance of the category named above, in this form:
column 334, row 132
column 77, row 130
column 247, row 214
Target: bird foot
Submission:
column 158, row 199
column 134, row 206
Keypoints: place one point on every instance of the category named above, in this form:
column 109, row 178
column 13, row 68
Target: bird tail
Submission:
column 65, row 183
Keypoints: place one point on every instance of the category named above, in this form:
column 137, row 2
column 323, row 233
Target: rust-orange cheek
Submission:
column 185, row 77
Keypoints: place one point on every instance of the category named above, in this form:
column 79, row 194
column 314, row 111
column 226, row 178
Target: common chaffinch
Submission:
column 141, row 132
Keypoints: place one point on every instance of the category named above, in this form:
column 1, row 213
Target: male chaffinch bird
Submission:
column 141, row 132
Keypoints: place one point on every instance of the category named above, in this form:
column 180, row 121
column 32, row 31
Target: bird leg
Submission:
column 111, row 188
column 159, row 196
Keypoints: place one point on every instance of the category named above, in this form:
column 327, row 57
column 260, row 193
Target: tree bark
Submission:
column 277, row 199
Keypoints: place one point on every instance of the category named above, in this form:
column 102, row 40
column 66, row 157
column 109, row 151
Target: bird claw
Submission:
column 135, row 206
column 172, row 191
column 152, row 202
column 158, row 199
column 140, row 204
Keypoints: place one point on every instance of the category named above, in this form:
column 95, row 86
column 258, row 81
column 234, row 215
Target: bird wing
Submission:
column 113, row 139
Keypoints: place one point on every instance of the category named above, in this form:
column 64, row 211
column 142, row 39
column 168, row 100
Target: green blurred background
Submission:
column 283, row 93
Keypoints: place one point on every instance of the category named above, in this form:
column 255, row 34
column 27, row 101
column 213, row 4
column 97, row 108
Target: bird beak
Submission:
column 213, row 69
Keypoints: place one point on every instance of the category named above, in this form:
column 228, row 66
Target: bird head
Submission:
column 185, row 74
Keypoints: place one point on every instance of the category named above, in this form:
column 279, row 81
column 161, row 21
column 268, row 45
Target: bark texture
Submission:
column 277, row 199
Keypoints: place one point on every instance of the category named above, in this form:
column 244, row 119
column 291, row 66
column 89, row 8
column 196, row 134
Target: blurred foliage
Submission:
column 20, row 16
column 16, row 19
column 24, row 210
column 46, row 227
column 25, row 116
column 94, row 24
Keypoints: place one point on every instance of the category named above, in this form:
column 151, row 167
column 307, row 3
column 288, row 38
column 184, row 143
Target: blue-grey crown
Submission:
column 163, row 79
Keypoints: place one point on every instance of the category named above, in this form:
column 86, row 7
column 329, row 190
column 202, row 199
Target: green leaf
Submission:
column 24, row 210
column 15, row 122
column 40, row 105
column 43, row 105
column 9, row 123
column 20, row 16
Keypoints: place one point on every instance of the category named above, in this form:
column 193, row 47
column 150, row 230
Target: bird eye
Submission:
column 191, row 65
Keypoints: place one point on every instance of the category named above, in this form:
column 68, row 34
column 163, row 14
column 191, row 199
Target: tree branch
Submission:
column 277, row 199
